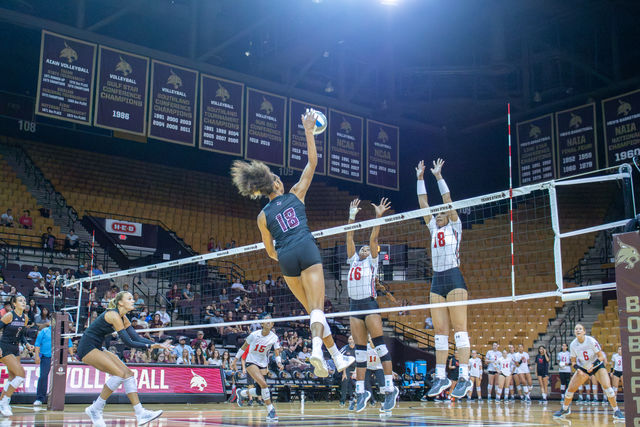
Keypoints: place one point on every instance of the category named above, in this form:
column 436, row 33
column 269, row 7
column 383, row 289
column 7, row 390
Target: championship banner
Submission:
column 221, row 109
column 159, row 379
column 621, row 117
column 172, row 111
column 121, row 102
column 297, row 158
column 65, row 80
column 123, row 227
column 345, row 146
column 535, row 150
column 265, row 126
column 383, row 155
column 576, row 140
column 626, row 247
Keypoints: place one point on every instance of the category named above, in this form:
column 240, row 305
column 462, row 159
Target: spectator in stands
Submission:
column 174, row 296
column 238, row 286
column 208, row 313
column 261, row 287
column 34, row 274
column 104, row 302
column 270, row 306
column 156, row 322
column 71, row 242
column 185, row 358
column 45, row 212
column 233, row 244
column 135, row 356
column 50, row 275
column 41, row 290
column 215, row 359
column 135, row 324
column 231, row 332
column 226, row 363
column 217, row 318
column 428, row 323
column 244, row 305
column 199, row 341
column 6, row 219
column 256, row 325
column 6, row 309
column 223, row 297
column 100, row 270
column 187, row 293
column 182, row 346
column 25, row 220
column 43, row 319
column 269, row 282
column 304, row 355
column 164, row 316
column 14, row 292
column 34, row 309
column 139, row 301
column 280, row 283
column 81, row 273
column 199, row 357
column 49, row 240
column 211, row 246
column 328, row 306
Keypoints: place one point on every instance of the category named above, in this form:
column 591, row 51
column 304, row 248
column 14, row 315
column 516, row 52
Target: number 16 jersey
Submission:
column 259, row 347
column 362, row 276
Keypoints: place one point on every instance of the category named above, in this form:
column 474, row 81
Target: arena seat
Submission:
column 606, row 329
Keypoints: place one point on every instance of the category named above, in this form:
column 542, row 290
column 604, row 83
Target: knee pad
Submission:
column 130, row 385
column 568, row 395
column 609, row 392
column 266, row 395
column 316, row 316
column 113, row 383
column 16, row 382
column 361, row 356
column 442, row 342
column 462, row 340
column 381, row 349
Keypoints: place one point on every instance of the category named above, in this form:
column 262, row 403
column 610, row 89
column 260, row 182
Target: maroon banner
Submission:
column 383, row 155
column 172, row 111
column 535, row 150
column 576, row 140
column 121, row 103
column 345, row 146
column 626, row 248
column 297, row 157
column 621, row 118
column 65, row 80
column 265, row 125
column 84, row 379
column 221, row 109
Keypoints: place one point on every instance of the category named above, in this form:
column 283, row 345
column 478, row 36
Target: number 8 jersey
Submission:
column 259, row 347
column 445, row 244
column 362, row 276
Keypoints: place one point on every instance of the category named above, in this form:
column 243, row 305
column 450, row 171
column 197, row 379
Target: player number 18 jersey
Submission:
column 445, row 244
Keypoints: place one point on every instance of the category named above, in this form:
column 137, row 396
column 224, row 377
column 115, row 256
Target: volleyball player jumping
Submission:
column 362, row 296
column 447, row 285
column 284, row 219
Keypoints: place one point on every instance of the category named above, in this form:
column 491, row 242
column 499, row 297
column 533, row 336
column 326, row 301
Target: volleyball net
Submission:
column 555, row 226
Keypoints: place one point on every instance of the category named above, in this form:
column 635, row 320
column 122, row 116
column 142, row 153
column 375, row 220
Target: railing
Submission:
column 4, row 253
column 565, row 328
column 409, row 333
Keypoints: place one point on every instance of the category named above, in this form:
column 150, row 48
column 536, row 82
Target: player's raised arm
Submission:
column 353, row 211
column 380, row 209
column 444, row 189
column 301, row 187
column 267, row 239
column 422, row 190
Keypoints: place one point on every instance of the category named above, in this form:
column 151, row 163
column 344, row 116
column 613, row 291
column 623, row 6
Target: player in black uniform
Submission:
column 285, row 220
column 90, row 351
column 14, row 325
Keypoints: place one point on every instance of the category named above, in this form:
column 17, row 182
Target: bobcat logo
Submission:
column 575, row 121
column 174, row 80
column 68, row 53
column 266, row 106
column 222, row 93
column 382, row 136
column 345, row 126
column 627, row 255
column 198, row 382
column 624, row 108
column 534, row 131
column 124, row 67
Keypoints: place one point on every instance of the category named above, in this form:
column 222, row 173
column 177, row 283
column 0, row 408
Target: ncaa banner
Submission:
column 65, row 79
column 621, row 118
column 123, row 227
column 345, row 152
column 265, row 126
column 221, row 109
column 121, row 102
column 172, row 110
column 297, row 157
column 577, row 150
column 535, row 150
column 383, row 155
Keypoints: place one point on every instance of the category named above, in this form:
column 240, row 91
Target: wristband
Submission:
column 352, row 213
column 279, row 360
column 442, row 186
column 421, row 188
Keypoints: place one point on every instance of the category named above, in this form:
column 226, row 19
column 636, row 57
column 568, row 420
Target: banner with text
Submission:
column 221, row 109
column 121, row 102
column 116, row 226
column 297, row 140
column 621, row 117
column 383, row 155
column 172, row 111
column 265, row 126
column 535, row 150
column 83, row 379
column 576, row 140
column 345, row 146
column 65, row 80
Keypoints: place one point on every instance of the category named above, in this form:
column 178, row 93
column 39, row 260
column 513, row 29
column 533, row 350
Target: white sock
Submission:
column 498, row 392
column 359, row 387
column 270, row 407
column 512, row 390
column 615, row 390
column 388, row 383
column 139, row 409
column 464, row 371
column 99, row 403
column 544, row 395
column 334, row 352
column 317, row 345
column 489, row 388
column 479, row 391
column 615, row 408
column 564, row 407
column 440, row 371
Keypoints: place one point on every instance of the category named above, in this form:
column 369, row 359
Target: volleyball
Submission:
column 321, row 123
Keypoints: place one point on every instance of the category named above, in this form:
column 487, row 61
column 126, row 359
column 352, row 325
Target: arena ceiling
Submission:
column 443, row 64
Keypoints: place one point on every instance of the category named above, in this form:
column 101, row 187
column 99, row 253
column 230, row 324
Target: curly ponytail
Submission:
column 253, row 179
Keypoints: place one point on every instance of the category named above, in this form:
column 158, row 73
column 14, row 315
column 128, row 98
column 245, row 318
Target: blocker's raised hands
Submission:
column 436, row 170
column 384, row 206
column 354, row 208
column 420, row 170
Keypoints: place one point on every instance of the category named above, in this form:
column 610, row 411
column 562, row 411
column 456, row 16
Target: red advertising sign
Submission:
column 123, row 227
column 83, row 379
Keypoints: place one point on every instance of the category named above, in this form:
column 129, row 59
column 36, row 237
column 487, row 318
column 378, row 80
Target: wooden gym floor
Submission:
column 324, row 413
